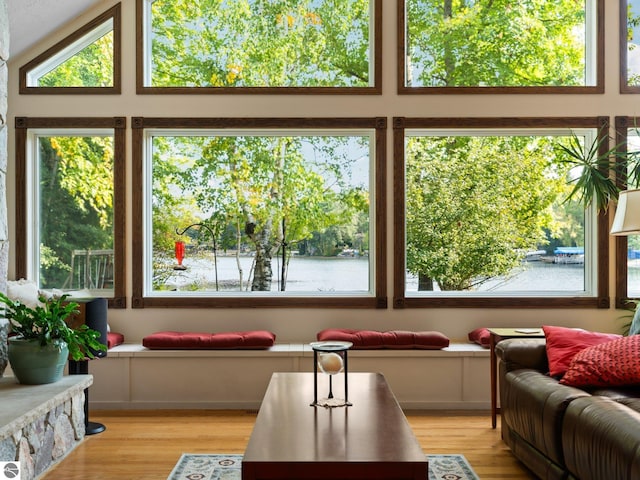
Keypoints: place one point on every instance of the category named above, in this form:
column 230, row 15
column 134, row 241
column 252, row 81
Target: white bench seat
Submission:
column 132, row 376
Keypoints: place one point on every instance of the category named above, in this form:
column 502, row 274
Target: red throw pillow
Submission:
column 480, row 336
column 396, row 339
column 612, row 364
column 114, row 339
column 564, row 343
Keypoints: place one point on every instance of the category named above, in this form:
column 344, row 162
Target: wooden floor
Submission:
column 145, row 445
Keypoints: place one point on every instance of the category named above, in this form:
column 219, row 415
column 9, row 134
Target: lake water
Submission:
column 346, row 274
column 633, row 279
column 306, row 274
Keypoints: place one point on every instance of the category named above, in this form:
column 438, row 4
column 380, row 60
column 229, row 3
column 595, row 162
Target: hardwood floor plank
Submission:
column 146, row 444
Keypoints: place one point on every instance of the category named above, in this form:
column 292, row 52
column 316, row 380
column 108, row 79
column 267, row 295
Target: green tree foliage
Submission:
column 566, row 228
column 170, row 208
column 85, row 172
column 462, row 43
column 90, row 67
column 475, row 205
column 76, row 202
column 254, row 43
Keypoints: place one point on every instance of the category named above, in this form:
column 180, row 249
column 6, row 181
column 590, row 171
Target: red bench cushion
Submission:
column 396, row 339
column 114, row 339
column 254, row 339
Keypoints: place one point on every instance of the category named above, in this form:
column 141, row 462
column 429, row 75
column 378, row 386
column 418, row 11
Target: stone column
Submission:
column 4, row 231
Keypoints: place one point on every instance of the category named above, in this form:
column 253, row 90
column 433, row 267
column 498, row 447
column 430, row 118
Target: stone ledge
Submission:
column 41, row 424
column 23, row 404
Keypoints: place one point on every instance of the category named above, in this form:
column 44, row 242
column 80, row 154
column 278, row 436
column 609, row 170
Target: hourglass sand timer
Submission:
column 331, row 358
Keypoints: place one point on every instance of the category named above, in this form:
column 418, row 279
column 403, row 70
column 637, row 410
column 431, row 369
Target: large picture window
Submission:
column 500, row 46
column 251, row 46
column 486, row 219
column 241, row 212
column 627, row 247
column 69, row 209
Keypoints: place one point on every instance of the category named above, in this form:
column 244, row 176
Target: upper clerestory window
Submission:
column 87, row 61
column 251, row 46
column 500, row 46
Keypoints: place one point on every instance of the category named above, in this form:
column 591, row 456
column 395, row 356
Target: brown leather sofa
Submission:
column 562, row 432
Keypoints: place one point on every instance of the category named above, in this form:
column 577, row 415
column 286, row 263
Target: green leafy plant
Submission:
column 47, row 322
column 627, row 319
column 599, row 174
column 594, row 183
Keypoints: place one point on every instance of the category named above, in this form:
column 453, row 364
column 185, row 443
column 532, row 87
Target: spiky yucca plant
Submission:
column 600, row 169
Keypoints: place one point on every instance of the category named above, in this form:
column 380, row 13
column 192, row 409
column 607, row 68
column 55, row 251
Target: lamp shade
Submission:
column 627, row 219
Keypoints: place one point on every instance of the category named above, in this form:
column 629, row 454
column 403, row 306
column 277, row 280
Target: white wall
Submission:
column 301, row 325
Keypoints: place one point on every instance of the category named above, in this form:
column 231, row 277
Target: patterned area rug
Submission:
column 193, row 466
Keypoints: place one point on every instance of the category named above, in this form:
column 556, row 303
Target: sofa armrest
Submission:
column 601, row 439
column 517, row 353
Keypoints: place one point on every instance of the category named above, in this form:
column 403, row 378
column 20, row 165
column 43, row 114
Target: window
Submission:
column 70, row 204
column 487, row 46
column 627, row 247
column 259, row 212
column 484, row 218
column 629, row 43
column 88, row 61
column 309, row 46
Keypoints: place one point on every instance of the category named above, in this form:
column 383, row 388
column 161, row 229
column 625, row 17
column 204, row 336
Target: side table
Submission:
column 496, row 335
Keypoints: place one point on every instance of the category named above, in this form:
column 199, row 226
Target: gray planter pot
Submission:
column 33, row 364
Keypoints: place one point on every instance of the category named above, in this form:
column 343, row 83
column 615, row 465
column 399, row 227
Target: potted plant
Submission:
column 597, row 172
column 41, row 340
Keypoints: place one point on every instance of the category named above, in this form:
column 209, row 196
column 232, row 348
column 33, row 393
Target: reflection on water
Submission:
column 348, row 274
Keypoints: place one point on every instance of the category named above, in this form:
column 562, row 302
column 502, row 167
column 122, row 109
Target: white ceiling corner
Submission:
column 30, row 21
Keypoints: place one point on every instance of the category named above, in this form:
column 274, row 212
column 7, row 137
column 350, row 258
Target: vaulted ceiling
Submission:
column 32, row 20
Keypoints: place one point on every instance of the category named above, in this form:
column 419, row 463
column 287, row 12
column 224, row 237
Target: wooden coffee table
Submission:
column 369, row 440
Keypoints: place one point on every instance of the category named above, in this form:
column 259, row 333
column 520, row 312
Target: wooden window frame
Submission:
column 375, row 89
column 403, row 89
column 118, row 124
column 400, row 300
column 379, row 297
column 622, row 299
column 115, row 14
